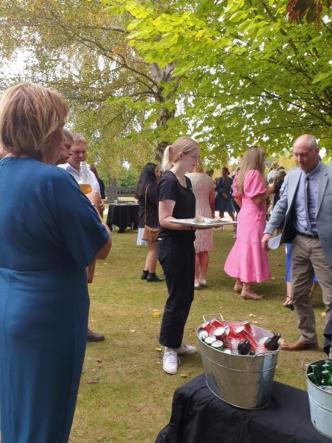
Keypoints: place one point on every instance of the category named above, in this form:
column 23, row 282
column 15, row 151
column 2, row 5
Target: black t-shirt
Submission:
column 169, row 188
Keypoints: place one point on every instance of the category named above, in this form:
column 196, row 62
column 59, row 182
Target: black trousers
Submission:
column 177, row 259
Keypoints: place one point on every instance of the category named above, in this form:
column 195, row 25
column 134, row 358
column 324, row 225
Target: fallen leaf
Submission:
column 184, row 375
column 323, row 314
column 92, row 382
column 158, row 349
column 252, row 315
column 255, row 322
column 132, row 330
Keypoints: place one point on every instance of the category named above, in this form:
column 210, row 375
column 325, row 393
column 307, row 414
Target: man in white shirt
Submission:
column 77, row 153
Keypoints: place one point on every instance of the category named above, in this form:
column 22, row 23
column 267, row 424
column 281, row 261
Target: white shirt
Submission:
column 77, row 176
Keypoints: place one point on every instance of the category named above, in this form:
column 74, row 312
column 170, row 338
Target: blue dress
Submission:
column 49, row 233
column 224, row 186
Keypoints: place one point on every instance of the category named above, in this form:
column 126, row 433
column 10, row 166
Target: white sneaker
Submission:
column 170, row 361
column 186, row 349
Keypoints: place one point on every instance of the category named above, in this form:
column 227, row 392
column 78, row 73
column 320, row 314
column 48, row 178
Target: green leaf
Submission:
column 322, row 76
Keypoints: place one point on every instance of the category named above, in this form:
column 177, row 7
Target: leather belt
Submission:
column 309, row 235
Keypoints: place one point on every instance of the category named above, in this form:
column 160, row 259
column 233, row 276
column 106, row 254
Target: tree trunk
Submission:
column 162, row 75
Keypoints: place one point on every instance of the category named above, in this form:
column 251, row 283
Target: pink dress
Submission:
column 247, row 260
column 202, row 186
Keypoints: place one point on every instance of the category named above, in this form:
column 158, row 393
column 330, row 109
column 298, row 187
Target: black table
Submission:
column 122, row 215
column 199, row 417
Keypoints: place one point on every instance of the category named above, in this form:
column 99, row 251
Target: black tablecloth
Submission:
column 199, row 417
column 328, row 333
column 122, row 215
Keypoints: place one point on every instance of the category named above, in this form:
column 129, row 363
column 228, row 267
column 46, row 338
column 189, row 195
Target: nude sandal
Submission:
column 238, row 288
column 288, row 303
column 251, row 296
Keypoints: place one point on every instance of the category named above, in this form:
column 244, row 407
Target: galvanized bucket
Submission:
column 320, row 403
column 244, row 381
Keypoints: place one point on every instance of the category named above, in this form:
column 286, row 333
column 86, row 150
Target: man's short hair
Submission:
column 310, row 139
column 312, row 142
column 79, row 139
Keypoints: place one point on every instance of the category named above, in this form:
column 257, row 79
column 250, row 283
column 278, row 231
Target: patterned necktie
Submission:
column 307, row 201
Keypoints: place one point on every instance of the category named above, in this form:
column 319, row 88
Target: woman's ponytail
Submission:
column 166, row 162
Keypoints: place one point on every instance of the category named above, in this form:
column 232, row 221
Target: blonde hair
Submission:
column 79, row 139
column 252, row 159
column 173, row 152
column 29, row 116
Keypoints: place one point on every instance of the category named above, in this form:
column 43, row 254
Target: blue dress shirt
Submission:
column 305, row 203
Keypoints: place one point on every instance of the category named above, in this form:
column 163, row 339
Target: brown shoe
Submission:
column 94, row 336
column 298, row 345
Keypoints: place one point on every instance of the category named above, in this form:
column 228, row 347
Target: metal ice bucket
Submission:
column 320, row 403
column 244, row 381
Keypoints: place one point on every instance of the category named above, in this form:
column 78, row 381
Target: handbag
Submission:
column 149, row 234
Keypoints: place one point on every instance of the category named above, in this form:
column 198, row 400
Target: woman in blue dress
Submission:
column 49, row 233
column 224, row 200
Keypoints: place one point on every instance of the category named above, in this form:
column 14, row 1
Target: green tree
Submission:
column 247, row 75
column 78, row 48
column 139, row 73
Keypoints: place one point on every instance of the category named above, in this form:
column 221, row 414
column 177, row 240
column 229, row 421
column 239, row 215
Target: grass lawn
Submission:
column 124, row 395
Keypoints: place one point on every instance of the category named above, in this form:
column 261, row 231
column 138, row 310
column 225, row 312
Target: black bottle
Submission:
column 243, row 347
column 272, row 343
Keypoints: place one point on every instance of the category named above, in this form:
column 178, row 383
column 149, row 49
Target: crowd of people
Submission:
column 261, row 205
column 53, row 234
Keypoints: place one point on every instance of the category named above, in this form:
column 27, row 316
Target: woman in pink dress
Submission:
column 203, row 188
column 247, row 260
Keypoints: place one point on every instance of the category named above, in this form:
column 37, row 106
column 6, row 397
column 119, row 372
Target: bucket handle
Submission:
column 208, row 317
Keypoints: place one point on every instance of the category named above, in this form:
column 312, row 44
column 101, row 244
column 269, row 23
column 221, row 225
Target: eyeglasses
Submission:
column 78, row 152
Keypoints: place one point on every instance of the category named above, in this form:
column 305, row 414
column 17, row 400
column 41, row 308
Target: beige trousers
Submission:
column 308, row 258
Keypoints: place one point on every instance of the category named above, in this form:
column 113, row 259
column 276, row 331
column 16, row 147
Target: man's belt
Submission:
column 309, row 235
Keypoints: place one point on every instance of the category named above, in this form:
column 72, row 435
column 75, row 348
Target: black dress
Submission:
column 177, row 258
column 151, row 217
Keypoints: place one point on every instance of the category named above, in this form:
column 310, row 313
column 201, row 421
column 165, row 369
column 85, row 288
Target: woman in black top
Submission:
column 146, row 194
column 176, row 246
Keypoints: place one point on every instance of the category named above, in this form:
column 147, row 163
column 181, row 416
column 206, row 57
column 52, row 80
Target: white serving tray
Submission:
column 202, row 222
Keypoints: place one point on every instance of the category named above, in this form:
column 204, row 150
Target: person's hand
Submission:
column 101, row 206
column 264, row 241
column 96, row 200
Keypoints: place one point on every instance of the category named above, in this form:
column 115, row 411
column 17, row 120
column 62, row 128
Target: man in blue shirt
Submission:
column 305, row 210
